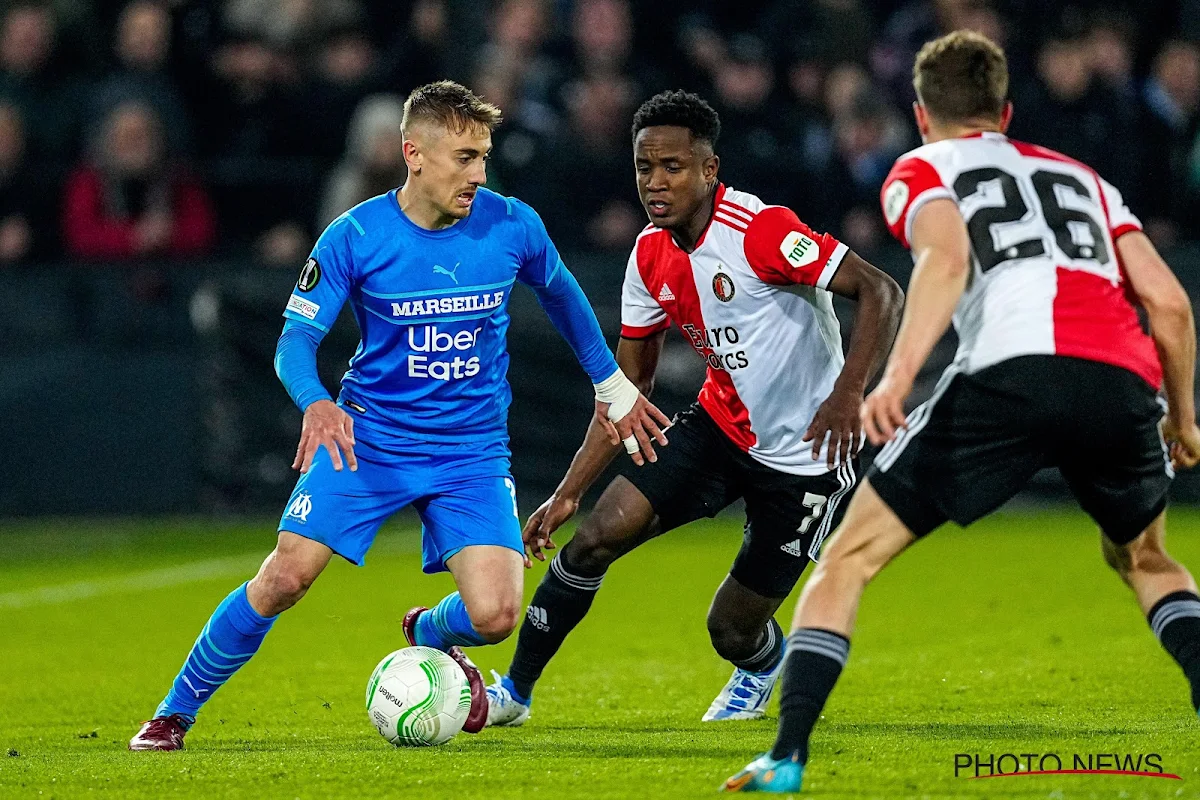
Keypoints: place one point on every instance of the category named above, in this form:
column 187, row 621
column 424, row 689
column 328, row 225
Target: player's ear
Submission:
column 710, row 166
column 922, row 119
column 1006, row 117
column 413, row 156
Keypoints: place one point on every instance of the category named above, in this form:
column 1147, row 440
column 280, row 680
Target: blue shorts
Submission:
column 463, row 493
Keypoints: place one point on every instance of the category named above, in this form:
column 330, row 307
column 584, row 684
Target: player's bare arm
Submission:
column 943, row 252
column 1173, row 329
column 326, row 425
column 880, row 301
column 638, row 359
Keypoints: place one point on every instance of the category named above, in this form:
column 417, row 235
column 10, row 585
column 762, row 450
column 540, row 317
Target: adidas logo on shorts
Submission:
column 537, row 618
column 792, row 548
column 665, row 294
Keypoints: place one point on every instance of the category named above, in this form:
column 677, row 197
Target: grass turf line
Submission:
column 1009, row 637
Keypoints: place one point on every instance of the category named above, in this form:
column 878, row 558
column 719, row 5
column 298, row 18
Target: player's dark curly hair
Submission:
column 681, row 109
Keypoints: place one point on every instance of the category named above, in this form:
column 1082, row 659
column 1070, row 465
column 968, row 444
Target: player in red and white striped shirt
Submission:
column 1039, row 263
column 750, row 286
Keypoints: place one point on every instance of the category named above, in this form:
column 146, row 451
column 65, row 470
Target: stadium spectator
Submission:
column 418, row 54
column 524, row 138
column 27, row 199
column 374, row 160
column 264, row 185
column 587, row 193
column 520, row 30
column 1171, row 102
column 868, row 137
column 825, row 31
column 289, row 25
column 142, row 49
column 751, row 130
column 30, row 78
column 704, row 51
column 1111, row 51
column 1065, row 109
column 919, row 21
column 131, row 200
column 346, row 68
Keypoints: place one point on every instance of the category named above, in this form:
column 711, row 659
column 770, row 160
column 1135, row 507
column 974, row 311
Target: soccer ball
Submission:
column 418, row 696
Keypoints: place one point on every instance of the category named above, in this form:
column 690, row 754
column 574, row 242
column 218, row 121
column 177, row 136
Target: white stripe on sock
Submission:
column 1176, row 609
column 574, row 581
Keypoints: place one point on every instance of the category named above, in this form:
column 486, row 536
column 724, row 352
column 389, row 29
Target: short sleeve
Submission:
column 1120, row 219
column 326, row 277
column 641, row 315
column 912, row 183
column 782, row 250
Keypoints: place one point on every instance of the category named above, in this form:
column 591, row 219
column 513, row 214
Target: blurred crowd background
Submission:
column 241, row 127
column 165, row 166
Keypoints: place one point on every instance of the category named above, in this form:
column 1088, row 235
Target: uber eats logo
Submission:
column 799, row 250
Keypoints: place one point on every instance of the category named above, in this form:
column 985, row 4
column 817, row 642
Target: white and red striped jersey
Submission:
column 1046, row 278
column 752, row 299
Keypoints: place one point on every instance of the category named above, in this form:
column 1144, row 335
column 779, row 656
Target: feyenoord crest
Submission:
column 310, row 276
column 723, row 287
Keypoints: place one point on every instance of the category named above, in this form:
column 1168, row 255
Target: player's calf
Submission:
column 232, row 636
column 1167, row 593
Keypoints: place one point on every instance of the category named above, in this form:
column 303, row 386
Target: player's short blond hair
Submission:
column 451, row 106
column 961, row 77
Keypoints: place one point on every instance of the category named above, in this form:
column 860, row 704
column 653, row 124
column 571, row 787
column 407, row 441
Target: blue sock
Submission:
column 447, row 624
column 232, row 635
column 507, row 683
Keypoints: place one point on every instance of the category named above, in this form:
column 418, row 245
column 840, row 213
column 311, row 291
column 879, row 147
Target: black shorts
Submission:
column 981, row 437
column 787, row 516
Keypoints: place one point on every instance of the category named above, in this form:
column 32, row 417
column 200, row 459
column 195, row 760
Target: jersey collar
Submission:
column 444, row 233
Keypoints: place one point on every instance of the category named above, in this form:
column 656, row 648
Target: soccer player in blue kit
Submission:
column 422, row 416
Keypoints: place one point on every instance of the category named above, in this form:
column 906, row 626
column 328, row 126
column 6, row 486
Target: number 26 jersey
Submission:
column 1045, row 278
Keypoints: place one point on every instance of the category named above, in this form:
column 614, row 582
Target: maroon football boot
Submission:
column 161, row 733
column 477, row 717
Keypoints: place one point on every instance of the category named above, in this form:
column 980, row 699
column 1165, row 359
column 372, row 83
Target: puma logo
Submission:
column 438, row 269
column 195, row 691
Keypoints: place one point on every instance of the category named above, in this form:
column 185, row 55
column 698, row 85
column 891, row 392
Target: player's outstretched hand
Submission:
column 883, row 410
column 1184, row 442
column 544, row 522
column 325, row 424
column 837, row 418
column 639, row 429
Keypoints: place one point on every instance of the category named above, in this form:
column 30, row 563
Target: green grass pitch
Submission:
column 1010, row 637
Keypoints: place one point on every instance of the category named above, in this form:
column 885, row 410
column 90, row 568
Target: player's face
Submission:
column 675, row 174
column 449, row 167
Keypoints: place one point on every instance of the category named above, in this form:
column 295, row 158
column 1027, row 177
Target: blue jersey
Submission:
column 432, row 309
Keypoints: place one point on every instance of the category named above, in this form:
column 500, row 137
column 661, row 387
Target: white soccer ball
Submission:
column 418, row 696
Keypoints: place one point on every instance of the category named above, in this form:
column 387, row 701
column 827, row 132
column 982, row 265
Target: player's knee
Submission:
column 593, row 548
column 281, row 587
column 846, row 565
column 731, row 640
column 496, row 621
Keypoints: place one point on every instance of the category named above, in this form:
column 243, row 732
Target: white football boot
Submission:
column 745, row 696
column 504, row 710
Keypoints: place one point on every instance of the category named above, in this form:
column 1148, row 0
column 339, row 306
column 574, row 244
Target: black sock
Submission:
column 814, row 661
column 560, row 603
column 768, row 655
column 1175, row 620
